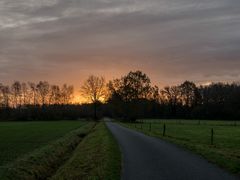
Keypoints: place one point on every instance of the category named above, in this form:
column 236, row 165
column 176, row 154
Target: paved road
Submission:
column 148, row 158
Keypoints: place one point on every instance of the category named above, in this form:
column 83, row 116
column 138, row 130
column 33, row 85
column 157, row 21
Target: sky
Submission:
column 64, row 41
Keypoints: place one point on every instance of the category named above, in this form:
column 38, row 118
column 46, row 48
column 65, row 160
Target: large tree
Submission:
column 94, row 90
column 134, row 92
column 134, row 86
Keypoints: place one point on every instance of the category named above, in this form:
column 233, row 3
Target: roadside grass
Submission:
column 225, row 151
column 44, row 162
column 96, row 157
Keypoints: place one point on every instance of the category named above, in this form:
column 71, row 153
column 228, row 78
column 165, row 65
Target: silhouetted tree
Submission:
column 171, row 96
column 94, row 89
column 5, row 95
column 55, row 95
column 188, row 93
column 43, row 89
column 16, row 90
column 134, row 86
column 133, row 90
column 66, row 94
column 33, row 93
column 25, row 95
column 130, row 97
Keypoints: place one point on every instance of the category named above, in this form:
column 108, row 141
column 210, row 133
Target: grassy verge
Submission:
column 44, row 162
column 225, row 150
column 96, row 157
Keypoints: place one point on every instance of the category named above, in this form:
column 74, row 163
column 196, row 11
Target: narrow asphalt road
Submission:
column 148, row 158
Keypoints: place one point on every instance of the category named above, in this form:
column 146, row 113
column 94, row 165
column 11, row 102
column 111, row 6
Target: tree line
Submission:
column 20, row 94
column 129, row 97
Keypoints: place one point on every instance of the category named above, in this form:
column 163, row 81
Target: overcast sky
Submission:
column 171, row 40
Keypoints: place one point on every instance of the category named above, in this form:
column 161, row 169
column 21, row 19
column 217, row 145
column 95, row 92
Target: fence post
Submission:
column 164, row 129
column 212, row 133
column 150, row 126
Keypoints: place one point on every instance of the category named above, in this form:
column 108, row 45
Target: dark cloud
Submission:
column 170, row 40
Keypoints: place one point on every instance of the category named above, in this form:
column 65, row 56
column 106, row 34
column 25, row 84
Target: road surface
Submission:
column 148, row 158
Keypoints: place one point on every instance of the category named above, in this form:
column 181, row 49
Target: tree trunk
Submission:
column 95, row 110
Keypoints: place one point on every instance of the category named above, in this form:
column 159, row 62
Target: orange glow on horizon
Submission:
column 208, row 83
column 78, row 99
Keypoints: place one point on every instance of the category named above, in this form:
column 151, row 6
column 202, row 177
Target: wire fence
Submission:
column 196, row 131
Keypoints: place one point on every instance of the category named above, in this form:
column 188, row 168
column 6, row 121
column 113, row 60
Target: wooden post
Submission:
column 164, row 129
column 212, row 133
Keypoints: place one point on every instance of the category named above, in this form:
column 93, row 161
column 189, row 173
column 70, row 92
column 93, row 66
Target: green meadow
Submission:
column 20, row 138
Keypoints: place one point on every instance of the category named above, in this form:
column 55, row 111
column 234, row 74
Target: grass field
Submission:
column 20, row 138
column 58, row 150
column 196, row 136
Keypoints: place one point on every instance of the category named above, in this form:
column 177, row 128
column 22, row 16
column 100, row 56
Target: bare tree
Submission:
column 171, row 96
column 25, row 95
column 6, row 94
column 43, row 90
column 33, row 93
column 1, row 95
column 94, row 89
column 17, row 93
column 67, row 93
column 188, row 93
column 55, row 95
